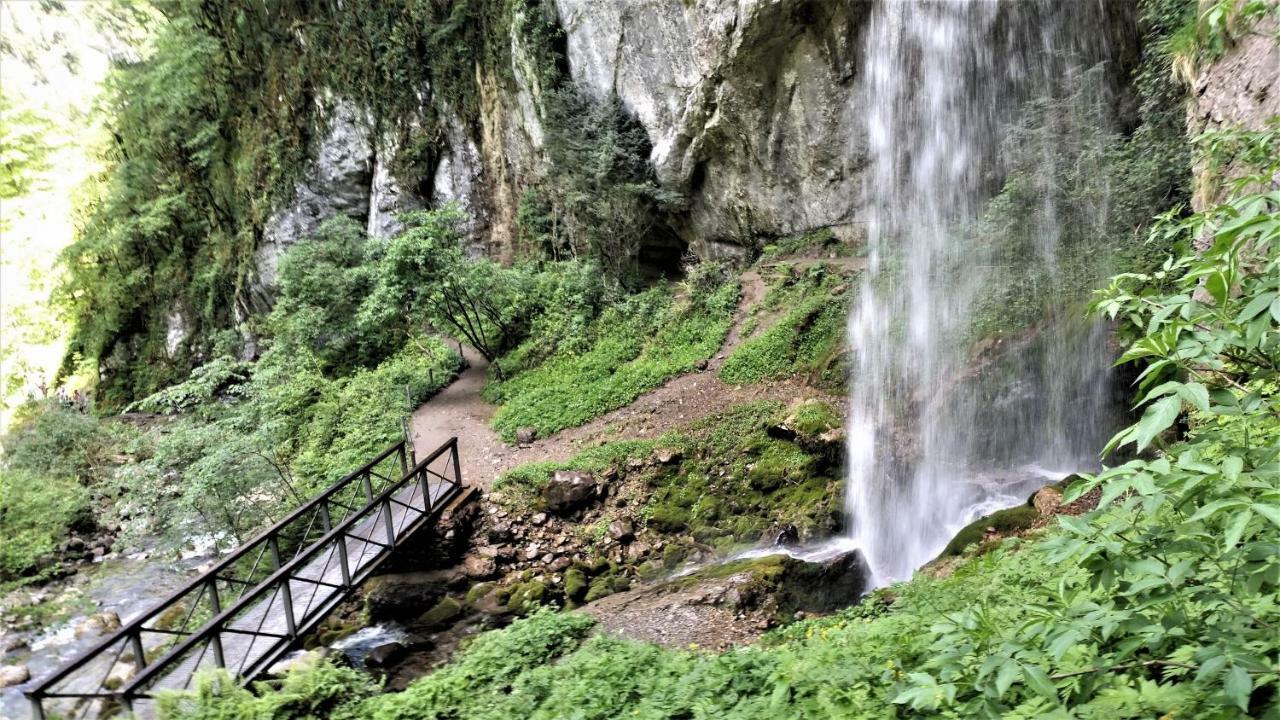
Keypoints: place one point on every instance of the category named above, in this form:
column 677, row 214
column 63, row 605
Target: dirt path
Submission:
column 460, row 410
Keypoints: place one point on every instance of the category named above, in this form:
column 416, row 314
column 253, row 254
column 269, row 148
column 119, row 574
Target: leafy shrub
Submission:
column 324, row 280
column 37, row 513
column 221, row 377
column 426, row 274
column 50, row 438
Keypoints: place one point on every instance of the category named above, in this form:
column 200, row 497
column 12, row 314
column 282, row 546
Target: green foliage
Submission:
column 321, row 691
column 222, row 377
column 51, row 438
column 601, row 197
column 426, row 275
column 324, row 281
column 821, row 243
column 806, row 340
column 24, row 147
column 635, row 345
column 212, row 129
column 37, row 513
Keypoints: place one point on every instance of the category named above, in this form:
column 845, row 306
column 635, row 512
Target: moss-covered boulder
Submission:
column 443, row 613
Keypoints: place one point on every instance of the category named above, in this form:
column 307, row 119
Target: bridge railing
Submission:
column 351, row 524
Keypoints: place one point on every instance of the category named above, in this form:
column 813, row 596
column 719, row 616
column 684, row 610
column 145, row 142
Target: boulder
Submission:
column 299, row 660
column 668, row 456
column 1047, row 500
column 479, row 567
column 778, row 535
column 98, row 624
column 442, row 614
column 11, row 675
column 385, row 655
column 526, row 435
column 403, row 595
column 569, row 490
column 622, row 530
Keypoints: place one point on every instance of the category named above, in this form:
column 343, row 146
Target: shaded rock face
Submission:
column 748, row 105
column 1240, row 89
column 337, row 182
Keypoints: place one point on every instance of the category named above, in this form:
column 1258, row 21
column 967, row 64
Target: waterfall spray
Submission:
column 947, row 424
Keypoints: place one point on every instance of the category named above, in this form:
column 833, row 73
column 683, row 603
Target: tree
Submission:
column 425, row 273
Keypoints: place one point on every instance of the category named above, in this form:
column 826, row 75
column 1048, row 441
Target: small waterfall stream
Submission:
column 948, row 423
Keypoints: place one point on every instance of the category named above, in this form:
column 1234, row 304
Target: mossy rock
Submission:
column 780, row 462
column 668, row 519
column 575, row 584
column 478, row 591
column 605, row 586
column 1004, row 521
column 527, row 596
column 445, row 611
column 811, row 418
column 673, row 555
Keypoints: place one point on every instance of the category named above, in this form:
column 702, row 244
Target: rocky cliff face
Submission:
column 749, row 107
column 1241, row 89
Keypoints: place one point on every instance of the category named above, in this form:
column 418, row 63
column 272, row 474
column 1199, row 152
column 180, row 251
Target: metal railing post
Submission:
column 367, row 478
column 215, row 640
column 286, row 594
column 457, row 464
column 341, row 542
column 391, row 526
column 37, row 708
column 426, row 491
column 139, row 654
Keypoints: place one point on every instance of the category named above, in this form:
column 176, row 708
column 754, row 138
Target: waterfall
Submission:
column 947, row 420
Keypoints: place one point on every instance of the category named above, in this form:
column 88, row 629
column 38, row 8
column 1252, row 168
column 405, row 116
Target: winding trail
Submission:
column 460, row 410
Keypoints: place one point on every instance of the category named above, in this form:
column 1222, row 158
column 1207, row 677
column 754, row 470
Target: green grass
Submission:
column 636, row 346
column 807, row 340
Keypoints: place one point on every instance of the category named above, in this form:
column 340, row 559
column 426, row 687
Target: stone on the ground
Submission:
column 385, row 655
column 98, row 624
column 780, row 535
column 11, row 675
column 569, row 490
column 622, row 530
column 479, row 567
column 299, row 660
column 404, row 595
column 443, row 612
column 668, row 456
column 526, row 435
column 1047, row 500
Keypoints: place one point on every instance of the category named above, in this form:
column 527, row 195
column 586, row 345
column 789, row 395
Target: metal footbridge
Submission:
column 255, row 604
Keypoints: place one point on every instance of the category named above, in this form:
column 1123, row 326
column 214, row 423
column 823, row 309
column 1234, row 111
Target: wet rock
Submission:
column 403, row 595
column 1046, row 501
column 622, row 530
column 526, row 435
column 98, row 624
column 442, row 614
column 300, row 660
column 569, row 490
column 479, row 567
column 778, row 535
column 11, row 675
column 385, row 655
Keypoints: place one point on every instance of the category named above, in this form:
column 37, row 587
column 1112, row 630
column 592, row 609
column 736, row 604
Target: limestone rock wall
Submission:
column 1241, row 89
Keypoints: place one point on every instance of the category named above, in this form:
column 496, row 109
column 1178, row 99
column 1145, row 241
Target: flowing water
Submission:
column 944, row 424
